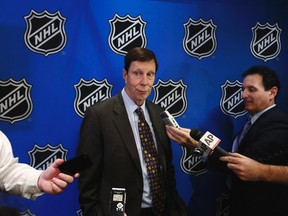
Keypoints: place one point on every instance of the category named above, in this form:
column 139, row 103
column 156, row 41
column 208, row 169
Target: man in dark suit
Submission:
column 109, row 135
column 264, row 142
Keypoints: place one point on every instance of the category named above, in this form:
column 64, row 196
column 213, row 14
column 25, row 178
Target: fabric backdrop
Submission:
column 59, row 57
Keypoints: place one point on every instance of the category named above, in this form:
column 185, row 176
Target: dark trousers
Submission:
column 146, row 212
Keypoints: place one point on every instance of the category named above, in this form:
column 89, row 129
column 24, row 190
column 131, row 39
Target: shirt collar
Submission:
column 129, row 103
column 257, row 115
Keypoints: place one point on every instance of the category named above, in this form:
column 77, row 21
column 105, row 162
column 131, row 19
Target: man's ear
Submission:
column 274, row 91
column 124, row 74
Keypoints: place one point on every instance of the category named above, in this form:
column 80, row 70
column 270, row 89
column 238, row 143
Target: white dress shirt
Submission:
column 16, row 178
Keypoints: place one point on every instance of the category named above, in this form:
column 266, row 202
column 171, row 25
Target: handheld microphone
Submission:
column 207, row 143
column 169, row 119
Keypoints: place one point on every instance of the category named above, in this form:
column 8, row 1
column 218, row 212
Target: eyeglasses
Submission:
column 139, row 75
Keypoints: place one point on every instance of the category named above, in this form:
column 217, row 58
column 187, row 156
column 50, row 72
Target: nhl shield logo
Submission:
column 231, row 102
column 45, row 32
column 27, row 212
column 199, row 40
column 126, row 33
column 42, row 157
column 266, row 42
column 191, row 164
column 79, row 212
column 171, row 96
column 15, row 100
column 89, row 93
column 223, row 205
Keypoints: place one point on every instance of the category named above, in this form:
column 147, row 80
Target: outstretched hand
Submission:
column 181, row 136
column 52, row 181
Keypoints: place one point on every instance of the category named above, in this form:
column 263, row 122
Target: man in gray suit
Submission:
column 109, row 135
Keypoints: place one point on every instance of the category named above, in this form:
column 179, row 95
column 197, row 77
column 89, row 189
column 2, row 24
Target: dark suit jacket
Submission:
column 266, row 141
column 106, row 136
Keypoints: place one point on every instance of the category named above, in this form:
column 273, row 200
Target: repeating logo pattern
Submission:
column 42, row 157
column 89, row 93
column 45, row 32
column 126, row 33
column 15, row 100
column 266, row 43
column 171, row 96
column 231, row 102
column 200, row 39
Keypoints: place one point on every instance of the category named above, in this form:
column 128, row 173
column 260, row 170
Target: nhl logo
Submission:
column 45, row 32
column 27, row 212
column 265, row 43
column 223, row 205
column 42, row 157
column 199, row 40
column 231, row 102
column 190, row 164
column 171, row 96
column 89, row 93
column 79, row 212
column 15, row 100
column 126, row 33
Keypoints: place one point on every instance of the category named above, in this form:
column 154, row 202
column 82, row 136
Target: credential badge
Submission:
column 231, row 102
column 89, row 93
column 171, row 96
column 199, row 40
column 266, row 42
column 15, row 100
column 45, row 32
column 126, row 33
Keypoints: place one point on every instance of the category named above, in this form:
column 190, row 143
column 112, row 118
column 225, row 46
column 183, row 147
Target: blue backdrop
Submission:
column 58, row 57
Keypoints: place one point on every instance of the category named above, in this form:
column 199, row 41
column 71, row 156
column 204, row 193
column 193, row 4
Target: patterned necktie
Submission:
column 240, row 137
column 152, row 163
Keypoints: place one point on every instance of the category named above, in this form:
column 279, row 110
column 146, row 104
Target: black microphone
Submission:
column 207, row 143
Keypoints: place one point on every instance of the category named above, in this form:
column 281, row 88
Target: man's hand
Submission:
column 181, row 136
column 245, row 168
column 52, row 181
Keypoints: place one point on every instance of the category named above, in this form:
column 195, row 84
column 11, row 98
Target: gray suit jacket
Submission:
column 106, row 136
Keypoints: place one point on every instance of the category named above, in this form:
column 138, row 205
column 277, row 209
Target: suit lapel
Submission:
column 253, row 129
column 123, row 126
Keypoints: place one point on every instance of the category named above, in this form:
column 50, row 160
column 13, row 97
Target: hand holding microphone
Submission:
column 202, row 144
column 176, row 134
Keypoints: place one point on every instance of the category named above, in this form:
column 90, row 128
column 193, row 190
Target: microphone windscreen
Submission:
column 196, row 134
